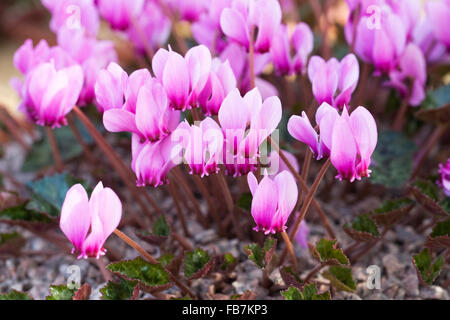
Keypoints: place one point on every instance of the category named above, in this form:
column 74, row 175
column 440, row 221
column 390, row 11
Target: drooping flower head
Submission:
column 273, row 201
column 236, row 115
column 444, row 178
column 183, row 78
column 301, row 41
column 120, row 13
column 349, row 140
column 202, row 145
column 328, row 77
column 151, row 161
column 145, row 112
column 87, row 223
column 49, row 94
column 411, row 76
column 263, row 16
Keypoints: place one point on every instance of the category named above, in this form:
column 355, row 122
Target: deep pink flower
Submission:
column 328, row 77
column 26, row 57
column 49, row 94
column 190, row 10
column 153, row 160
column 149, row 116
column 87, row 223
column 91, row 54
column 120, row 13
column 433, row 50
column 439, row 15
column 238, row 59
column 301, row 42
column 381, row 35
column 183, row 78
column 411, row 76
column 444, row 179
column 152, row 26
column 202, row 145
column 221, row 81
column 237, row 113
column 110, row 87
column 348, row 140
column 73, row 15
column 273, row 201
column 244, row 15
column 206, row 30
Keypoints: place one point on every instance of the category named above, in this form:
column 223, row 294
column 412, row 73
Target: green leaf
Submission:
column 166, row 259
column 261, row 256
column 436, row 106
column 308, row 293
column 49, row 193
column 149, row 275
column 245, row 201
column 427, row 194
column 160, row 227
column 341, row 278
column 441, row 229
column 392, row 205
column 365, row 224
column 427, row 270
column 11, row 242
column 392, row 211
column 326, row 251
column 120, row 291
column 392, row 159
column 228, row 262
column 437, row 98
column 15, row 295
column 195, row 261
column 21, row 213
column 61, row 292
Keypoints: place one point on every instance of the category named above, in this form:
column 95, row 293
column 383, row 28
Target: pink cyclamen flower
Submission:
column 110, row 87
column 202, row 145
column 444, row 179
column 410, row 79
column 189, row 10
column 151, row 161
column 277, row 165
column 183, row 78
column 349, row 140
column 49, row 94
column 73, row 15
column 302, row 234
column 149, row 116
column 433, row 50
column 301, row 41
column 206, row 30
column 91, row 54
column 221, row 81
column 87, row 223
column 439, row 15
column 328, row 77
column 120, row 13
column 263, row 16
column 151, row 26
column 236, row 114
column 380, row 37
column 273, row 201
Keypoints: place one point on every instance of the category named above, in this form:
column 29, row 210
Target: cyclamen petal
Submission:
column 110, row 87
column 101, row 215
column 301, row 129
column 264, row 205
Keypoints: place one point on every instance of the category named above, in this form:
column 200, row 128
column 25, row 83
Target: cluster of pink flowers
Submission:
column 386, row 33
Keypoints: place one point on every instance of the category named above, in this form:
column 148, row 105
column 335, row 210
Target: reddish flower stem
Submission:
column 251, row 57
column 56, row 155
column 80, row 140
column 290, row 249
column 401, row 114
column 176, row 198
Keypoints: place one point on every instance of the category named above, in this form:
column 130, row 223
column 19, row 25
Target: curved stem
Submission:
column 290, row 249
column 175, row 196
column 313, row 272
column 400, row 117
column 56, row 155
column 152, row 260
